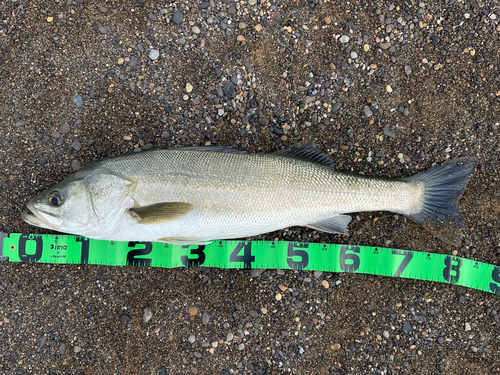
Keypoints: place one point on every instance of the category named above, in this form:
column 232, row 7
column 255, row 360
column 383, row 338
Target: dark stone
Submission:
column 178, row 17
column 229, row 89
column 336, row 107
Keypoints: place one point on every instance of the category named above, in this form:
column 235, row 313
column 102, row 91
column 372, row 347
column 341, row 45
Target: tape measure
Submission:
column 67, row 249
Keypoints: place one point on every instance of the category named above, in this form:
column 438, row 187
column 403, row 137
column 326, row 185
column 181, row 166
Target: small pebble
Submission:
column 148, row 314
column 133, row 61
column 205, row 318
column 336, row 107
column 193, row 311
column 195, row 30
column 258, row 27
column 367, row 112
column 43, row 160
column 229, row 89
column 152, row 17
column 388, row 88
column 344, row 39
column 75, row 165
column 388, row 131
column 335, row 347
column 77, row 145
column 189, row 87
column 192, row 339
column 178, row 17
column 240, row 38
column 154, row 54
column 77, row 99
column 20, row 123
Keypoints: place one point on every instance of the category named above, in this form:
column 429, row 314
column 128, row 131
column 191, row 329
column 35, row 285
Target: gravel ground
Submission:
column 387, row 89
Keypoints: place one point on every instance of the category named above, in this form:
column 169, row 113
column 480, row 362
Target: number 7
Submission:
column 408, row 255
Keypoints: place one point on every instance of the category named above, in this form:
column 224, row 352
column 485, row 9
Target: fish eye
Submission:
column 55, row 198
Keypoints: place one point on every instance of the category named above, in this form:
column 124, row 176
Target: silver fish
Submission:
column 194, row 195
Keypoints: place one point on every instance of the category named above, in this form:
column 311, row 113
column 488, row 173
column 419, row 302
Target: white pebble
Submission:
column 154, row 54
column 344, row 39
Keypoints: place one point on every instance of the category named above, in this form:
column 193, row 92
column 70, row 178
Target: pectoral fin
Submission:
column 160, row 212
column 336, row 224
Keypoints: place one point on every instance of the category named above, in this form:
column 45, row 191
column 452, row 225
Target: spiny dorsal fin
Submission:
column 161, row 212
column 308, row 152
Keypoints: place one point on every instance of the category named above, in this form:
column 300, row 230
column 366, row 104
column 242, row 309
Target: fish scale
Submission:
column 244, row 194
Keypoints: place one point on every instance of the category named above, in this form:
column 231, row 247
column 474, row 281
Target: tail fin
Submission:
column 443, row 186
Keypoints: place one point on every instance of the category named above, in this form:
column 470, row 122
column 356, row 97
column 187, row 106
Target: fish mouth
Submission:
column 41, row 218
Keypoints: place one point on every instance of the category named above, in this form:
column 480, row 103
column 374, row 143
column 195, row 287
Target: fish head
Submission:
column 87, row 204
column 63, row 207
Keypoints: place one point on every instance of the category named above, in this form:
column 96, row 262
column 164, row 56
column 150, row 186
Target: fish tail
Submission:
column 443, row 186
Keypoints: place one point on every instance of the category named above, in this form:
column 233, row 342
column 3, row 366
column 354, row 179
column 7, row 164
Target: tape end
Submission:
column 2, row 236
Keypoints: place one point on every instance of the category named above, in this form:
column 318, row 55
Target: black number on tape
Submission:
column 199, row 251
column 294, row 252
column 495, row 275
column 247, row 258
column 408, row 255
column 451, row 272
column 22, row 248
column 353, row 258
column 131, row 255
column 84, row 258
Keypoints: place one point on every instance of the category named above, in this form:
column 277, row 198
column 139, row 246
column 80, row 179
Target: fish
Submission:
column 194, row 195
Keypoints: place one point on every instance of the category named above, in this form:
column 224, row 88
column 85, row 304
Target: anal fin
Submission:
column 336, row 224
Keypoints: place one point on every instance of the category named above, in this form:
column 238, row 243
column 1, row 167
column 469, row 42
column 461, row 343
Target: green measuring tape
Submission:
column 65, row 249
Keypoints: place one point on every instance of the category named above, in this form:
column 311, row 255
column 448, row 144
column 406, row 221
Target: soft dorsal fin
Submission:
column 160, row 212
column 223, row 149
column 308, row 152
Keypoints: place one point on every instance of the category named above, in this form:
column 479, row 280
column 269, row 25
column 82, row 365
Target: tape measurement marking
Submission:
column 68, row 249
